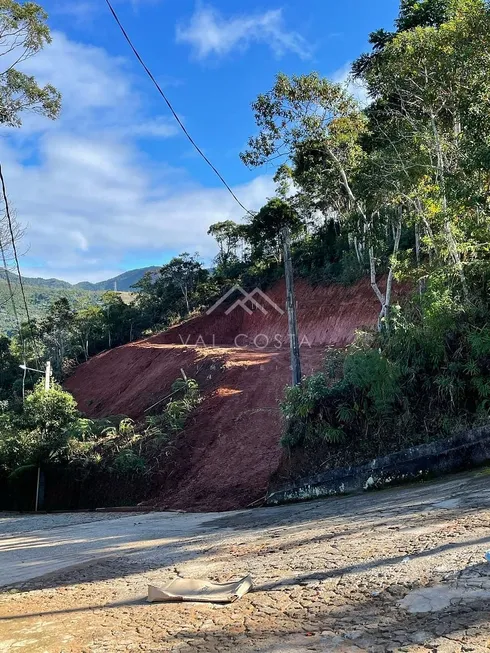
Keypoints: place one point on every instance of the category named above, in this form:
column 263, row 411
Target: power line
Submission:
column 179, row 121
column 11, row 292
column 11, row 297
column 17, row 265
column 6, row 301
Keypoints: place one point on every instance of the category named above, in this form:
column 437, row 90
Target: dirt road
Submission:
column 400, row 570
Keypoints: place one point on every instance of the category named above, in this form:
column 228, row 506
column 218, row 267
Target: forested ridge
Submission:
column 41, row 293
column 39, row 298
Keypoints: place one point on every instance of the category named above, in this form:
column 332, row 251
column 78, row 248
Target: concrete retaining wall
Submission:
column 436, row 458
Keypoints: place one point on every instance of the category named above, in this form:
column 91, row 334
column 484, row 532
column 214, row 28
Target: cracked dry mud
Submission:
column 399, row 570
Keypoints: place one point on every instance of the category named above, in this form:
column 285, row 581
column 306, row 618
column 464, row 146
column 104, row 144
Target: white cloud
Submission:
column 86, row 11
column 89, row 195
column 81, row 12
column 157, row 127
column 344, row 76
column 208, row 32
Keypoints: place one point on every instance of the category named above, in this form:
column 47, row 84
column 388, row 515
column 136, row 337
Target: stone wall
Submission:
column 453, row 454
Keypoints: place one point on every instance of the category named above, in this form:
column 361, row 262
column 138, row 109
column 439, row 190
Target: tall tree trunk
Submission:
column 385, row 298
column 291, row 310
column 389, row 281
column 356, row 249
column 450, row 239
column 417, row 257
column 374, row 285
column 417, row 243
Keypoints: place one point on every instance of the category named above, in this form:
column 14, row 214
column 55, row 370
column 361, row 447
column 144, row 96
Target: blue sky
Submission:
column 113, row 184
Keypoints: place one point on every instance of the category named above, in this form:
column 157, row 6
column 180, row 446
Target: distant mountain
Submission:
column 39, row 282
column 40, row 293
column 38, row 299
column 121, row 283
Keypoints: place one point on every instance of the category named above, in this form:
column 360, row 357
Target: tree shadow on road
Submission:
column 374, row 622
column 334, row 520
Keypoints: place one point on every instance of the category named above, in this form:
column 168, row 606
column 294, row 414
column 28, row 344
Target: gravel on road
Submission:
column 398, row 570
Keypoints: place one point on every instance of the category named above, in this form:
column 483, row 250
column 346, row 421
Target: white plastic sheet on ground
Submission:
column 191, row 589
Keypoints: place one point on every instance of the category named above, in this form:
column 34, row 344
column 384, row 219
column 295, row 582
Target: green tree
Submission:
column 317, row 128
column 55, row 330
column 429, row 83
column 9, row 368
column 184, row 272
column 49, row 411
column 424, row 13
column 118, row 318
column 38, row 435
column 412, row 14
column 88, row 329
column 264, row 229
column 23, row 33
column 312, row 127
column 228, row 235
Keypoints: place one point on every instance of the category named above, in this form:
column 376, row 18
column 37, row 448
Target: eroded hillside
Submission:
column 230, row 446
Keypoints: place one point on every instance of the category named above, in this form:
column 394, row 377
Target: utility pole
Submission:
column 40, row 476
column 47, row 376
column 47, row 373
column 38, row 487
column 291, row 309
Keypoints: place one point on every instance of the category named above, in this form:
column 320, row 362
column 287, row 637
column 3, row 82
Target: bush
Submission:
column 119, row 445
column 49, row 412
column 127, row 462
column 300, row 408
column 51, row 433
column 374, row 378
column 39, row 433
column 426, row 377
column 17, row 447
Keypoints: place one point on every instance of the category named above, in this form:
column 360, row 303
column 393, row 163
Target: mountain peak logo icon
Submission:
column 245, row 299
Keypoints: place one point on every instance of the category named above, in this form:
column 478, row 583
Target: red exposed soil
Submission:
column 327, row 315
column 230, row 446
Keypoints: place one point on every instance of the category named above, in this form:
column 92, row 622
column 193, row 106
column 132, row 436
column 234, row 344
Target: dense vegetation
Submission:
column 408, row 179
column 39, row 299
column 109, row 460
